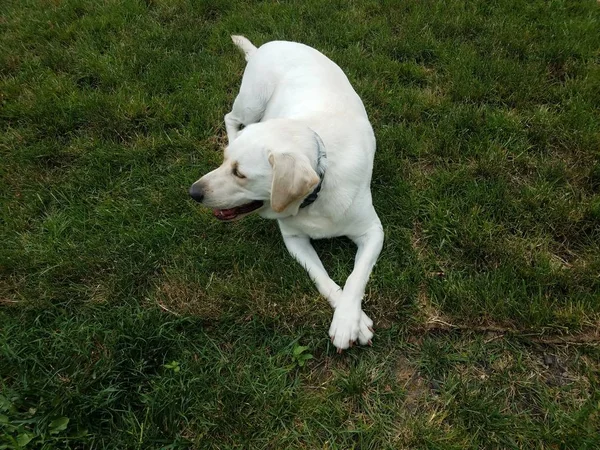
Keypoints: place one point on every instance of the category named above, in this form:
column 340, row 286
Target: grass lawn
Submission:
column 131, row 318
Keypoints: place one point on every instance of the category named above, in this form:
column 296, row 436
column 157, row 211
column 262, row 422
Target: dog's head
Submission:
column 269, row 168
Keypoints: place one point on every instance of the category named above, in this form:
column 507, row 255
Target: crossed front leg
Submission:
column 344, row 327
column 349, row 323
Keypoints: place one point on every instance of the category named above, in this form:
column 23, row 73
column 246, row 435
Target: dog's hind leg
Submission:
column 251, row 102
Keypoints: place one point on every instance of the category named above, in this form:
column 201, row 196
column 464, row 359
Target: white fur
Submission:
column 290, row 94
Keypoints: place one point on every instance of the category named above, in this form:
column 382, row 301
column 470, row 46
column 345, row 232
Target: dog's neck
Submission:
column 320, row 169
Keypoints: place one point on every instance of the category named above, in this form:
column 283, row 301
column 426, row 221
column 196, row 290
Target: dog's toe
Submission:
column 344, row 329
column 365, row 330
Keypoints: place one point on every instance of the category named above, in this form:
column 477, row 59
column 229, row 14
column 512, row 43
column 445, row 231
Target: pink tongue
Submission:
column 225, row 213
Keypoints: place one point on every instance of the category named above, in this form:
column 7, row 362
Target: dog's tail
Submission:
column 245, row 45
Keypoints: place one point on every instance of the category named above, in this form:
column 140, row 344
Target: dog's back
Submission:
column 303, row 81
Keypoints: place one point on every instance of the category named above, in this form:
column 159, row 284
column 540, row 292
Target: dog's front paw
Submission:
column 365, row 329
column 345, row 327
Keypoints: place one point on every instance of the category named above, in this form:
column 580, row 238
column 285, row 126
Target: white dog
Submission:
column 304, row 157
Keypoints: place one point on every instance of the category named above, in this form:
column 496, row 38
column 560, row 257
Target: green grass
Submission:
column 486, row 297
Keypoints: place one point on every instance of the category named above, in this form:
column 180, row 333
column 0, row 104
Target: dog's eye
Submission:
column 236, row 173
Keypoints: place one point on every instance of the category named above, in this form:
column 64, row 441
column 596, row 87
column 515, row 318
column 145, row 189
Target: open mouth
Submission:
column 234, row 213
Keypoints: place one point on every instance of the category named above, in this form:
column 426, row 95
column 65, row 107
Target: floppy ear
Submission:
column 293, row 179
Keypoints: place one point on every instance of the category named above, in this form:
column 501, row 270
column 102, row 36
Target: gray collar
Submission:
column 320, row 169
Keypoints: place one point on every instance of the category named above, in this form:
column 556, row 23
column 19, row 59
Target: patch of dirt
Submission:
column 589, row 336
column 98, row 292
column 416, row 388
column 556, row 369
column 420, row 173
column 218, row 141
column 429, row 312
column 9, row 291
column 180, row 297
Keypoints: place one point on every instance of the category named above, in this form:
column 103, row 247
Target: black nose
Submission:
column 196, row 193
